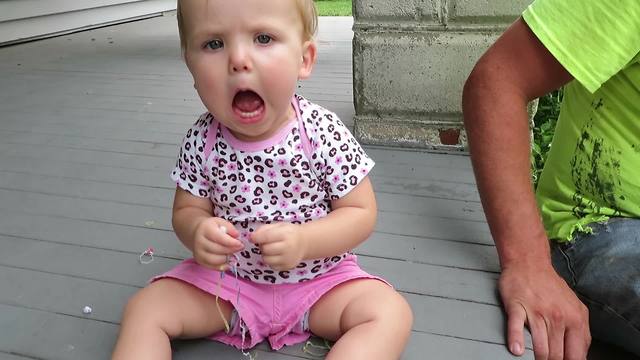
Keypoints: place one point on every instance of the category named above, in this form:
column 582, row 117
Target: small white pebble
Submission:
column 87, row 310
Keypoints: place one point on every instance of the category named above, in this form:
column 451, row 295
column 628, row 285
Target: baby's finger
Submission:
column 217, row 248
column 228, row 228
column 213, row 261
column 272, row 249
column 274, row 261
column 218, row 236
column 265, row 234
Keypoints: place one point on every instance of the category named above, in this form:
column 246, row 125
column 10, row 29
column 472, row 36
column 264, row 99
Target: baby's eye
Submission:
column 214, row 44
column 263, row 39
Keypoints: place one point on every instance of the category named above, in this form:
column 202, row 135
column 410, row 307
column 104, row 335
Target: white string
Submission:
column 147, row 256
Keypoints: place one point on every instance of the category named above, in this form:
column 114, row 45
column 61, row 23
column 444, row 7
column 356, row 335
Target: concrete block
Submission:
column 418, row 73
column 398, row 10
column 410, row 132
column 410, row 61
column 486, row 10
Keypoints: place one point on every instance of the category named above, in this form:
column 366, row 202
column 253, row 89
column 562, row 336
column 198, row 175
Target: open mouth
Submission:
column 248, row 105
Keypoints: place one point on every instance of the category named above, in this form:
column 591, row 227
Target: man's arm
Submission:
column 515, row 70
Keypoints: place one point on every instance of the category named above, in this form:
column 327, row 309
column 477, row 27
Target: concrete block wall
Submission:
column 410, row 61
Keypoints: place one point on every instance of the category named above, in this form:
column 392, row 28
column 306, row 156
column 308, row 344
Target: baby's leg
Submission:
column 367, row 317
column 164, row 310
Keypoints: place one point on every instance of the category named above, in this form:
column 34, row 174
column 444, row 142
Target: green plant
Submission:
column 544, row 126
column 333, row 7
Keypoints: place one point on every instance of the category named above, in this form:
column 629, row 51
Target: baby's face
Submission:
column 246, row 57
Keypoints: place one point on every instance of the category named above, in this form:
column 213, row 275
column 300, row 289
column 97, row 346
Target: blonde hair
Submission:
column 306, row 9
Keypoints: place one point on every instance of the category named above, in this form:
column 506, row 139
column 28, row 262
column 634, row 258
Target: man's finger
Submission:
column 539, row 337
column 576, row 344
column 516, row 317
column 555, row 331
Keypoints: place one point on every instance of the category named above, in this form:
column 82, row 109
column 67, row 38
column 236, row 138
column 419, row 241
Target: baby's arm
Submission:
column 350, row 222
column 199, row 231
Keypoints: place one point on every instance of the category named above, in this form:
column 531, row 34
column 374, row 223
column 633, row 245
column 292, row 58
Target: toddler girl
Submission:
column 272, row 195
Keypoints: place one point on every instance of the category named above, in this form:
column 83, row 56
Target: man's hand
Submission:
column 212, row 245
column 281, row 245
column 539, row 297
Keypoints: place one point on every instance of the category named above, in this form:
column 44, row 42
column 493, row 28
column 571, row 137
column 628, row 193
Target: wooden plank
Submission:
column 459, row 319
column 425, row 188
column 163, row 197
column 58, row 336
column 86, row 189
column 119, row 267
column 68, row 295
column 434, row 227
column 111, row 159
column 94, row 172
column 160, row 179
column 415, row 249
column 7, row 356
column 34, row 139
column 63, row 294
column 411, row 204
column 43, row 335
column 431, row 251
column 447, row 228
column 421, row 346
column 76, row 208
column 439, row 347
column 90, row 234
column 419, row 158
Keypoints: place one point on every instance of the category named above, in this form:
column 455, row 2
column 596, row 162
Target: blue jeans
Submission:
column 603, row 269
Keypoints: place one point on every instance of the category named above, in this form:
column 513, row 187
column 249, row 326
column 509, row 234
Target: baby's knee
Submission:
column 390, row 310
column 145, row 311
column 398, row 312
column 137, row 308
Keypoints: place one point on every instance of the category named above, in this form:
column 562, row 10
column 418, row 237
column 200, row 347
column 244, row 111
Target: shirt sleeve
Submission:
column 337, row 155
column 592, row 39
column 190, row 173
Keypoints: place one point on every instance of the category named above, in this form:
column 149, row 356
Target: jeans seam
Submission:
column 572, row 272
column 609, row 310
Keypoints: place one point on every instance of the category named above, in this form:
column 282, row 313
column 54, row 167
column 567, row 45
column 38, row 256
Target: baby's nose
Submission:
column 239, row 60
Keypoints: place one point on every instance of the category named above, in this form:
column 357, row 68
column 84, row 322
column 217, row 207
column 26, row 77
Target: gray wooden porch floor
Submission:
column 89, row 127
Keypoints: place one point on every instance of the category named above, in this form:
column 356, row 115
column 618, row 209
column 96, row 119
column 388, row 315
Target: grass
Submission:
column 333, row 7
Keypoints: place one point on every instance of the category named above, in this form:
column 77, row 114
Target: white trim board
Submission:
column 20, row 24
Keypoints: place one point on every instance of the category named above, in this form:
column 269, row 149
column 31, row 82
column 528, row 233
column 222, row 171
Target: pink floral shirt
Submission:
column 275, row 180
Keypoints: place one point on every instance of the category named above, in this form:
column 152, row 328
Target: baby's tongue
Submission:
column 247, row 101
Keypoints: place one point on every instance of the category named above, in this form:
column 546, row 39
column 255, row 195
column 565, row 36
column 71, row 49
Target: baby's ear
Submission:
column 309, row 53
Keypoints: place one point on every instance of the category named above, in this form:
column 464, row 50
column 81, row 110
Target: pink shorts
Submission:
column 277, row 312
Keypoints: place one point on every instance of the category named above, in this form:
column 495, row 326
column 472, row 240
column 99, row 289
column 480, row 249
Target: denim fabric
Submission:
column 603, row 268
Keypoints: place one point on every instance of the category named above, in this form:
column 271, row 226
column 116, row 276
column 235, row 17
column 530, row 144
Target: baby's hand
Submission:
column 212, row 244
column 281, row 244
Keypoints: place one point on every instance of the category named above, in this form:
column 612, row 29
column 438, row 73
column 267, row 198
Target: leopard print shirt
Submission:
column 255, row 183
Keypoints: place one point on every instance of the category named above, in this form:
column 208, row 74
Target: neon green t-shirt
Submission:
column 593, row 168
